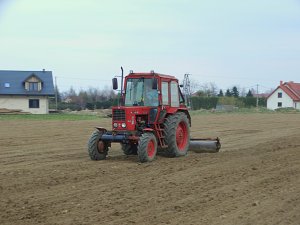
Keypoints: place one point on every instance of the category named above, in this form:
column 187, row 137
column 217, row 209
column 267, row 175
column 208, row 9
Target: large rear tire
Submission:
column 177, row 134
column 147, row 147
column 129, row 149
column 97, row 148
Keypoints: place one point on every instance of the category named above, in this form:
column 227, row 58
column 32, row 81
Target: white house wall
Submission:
column 286, row 100
column 22, row 103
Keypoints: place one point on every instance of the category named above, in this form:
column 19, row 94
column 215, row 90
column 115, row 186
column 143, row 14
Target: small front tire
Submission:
column 97, row 148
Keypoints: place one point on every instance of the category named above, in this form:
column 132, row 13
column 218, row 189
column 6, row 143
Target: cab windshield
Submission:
column 139, row 92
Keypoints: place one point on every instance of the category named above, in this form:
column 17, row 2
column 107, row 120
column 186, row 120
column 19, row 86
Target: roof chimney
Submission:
column 43, row 70
column 281, row 82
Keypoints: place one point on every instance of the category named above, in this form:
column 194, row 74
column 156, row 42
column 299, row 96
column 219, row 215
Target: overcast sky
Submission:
column 84, row 42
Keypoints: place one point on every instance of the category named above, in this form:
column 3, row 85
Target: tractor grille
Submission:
column 119, row 114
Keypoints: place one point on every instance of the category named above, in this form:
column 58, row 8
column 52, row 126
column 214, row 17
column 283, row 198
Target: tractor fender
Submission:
column 185, row 112
column 148, row 130
column 101, row 129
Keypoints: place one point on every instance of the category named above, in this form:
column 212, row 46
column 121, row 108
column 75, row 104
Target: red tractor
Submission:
column 152, row 114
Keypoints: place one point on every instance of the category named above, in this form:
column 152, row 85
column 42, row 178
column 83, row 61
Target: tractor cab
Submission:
column 150, row 89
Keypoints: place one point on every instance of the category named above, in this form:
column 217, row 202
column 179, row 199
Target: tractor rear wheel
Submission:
column 177, row 134
column 96, row 147
column 129, row 149
column 147, row 147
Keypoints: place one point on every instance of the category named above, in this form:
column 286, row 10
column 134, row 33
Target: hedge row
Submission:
column 197, row 103
column 212, row 102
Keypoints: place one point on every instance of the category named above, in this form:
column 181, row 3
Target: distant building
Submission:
column 285, row 95
column 28, row 91
column 261, row 95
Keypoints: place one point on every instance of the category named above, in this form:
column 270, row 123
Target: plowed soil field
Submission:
column 46, row 176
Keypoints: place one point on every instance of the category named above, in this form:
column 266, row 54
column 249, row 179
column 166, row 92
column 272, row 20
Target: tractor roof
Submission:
column 131, row 75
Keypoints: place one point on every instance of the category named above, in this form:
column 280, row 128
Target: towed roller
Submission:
column 209, row 145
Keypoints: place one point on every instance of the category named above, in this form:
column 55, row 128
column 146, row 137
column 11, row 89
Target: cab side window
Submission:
column 174, row 94
column 165, row 93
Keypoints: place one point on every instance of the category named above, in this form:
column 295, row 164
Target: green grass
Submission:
column 51, row 117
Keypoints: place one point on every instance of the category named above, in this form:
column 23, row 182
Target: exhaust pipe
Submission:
column 205, row 145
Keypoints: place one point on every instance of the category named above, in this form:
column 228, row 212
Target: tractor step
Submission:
column 160, row 134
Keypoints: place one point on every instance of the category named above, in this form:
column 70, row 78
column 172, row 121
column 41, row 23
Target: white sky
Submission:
column 84, row 42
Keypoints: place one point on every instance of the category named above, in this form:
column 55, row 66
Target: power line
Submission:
column 229, row 77
column 79, row 78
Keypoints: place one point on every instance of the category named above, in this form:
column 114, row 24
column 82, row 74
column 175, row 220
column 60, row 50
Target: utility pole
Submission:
column 56, row 93
column 257, row 96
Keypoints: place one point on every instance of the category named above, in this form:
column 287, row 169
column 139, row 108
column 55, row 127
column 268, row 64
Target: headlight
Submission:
column 123, row 125
column 115, row 125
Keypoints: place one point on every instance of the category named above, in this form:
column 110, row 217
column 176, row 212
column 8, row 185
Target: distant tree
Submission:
column 201, row 93
column 220, row 93
column 83, row 98
column 72, row 92
column 59, row 95
column 243, row 92
column 207, row 90
column 213, row 89
column 249, row 94
column 71, row 95
column 194, row 86
column 228, row 93
column 235, row 92
column 92, row 98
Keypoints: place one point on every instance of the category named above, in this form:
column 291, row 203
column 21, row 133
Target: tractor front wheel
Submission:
column 177, row 134
column 97, row 148
column 147, row 147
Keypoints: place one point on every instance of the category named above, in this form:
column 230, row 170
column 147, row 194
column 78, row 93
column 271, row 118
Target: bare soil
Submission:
column 46, row 176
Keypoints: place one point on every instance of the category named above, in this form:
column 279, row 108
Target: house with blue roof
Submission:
column 28, row 91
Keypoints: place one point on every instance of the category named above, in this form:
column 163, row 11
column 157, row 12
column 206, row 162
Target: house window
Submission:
column 33, row 86
column 34, row 103
column 7, row 85
column 279, row 94
column 279, row 104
